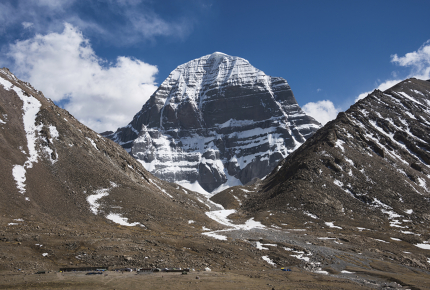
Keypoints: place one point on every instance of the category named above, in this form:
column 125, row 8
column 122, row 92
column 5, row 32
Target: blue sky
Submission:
column 101, row 60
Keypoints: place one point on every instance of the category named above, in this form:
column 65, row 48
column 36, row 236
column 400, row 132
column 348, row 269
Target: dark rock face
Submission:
column 216, row 120
column 372, row 163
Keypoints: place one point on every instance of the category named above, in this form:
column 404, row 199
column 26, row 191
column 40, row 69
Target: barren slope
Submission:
column 355, row 194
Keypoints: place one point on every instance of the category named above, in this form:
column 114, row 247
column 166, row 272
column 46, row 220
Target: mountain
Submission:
column 64, row 186
column 372, row 160
column 216, row 121
column 72, row 199
column 357, row 192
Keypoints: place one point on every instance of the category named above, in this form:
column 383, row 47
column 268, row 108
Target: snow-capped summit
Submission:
column 216, row 68
column 216, row 121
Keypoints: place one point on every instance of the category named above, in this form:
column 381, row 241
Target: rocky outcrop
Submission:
column 371, row 164
column 216, row 121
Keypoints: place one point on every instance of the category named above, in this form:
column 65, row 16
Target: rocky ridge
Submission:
column 360, row 185
column 373, row 159
column 216, row 121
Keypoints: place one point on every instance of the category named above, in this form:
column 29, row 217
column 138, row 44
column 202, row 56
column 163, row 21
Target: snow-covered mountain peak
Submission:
column 216, row 67
column 216, row 121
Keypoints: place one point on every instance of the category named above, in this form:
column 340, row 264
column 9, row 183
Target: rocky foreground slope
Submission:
column 358, row 185
column 52, row 164
column 78, row 194
column 373, row 160
column 216, row 120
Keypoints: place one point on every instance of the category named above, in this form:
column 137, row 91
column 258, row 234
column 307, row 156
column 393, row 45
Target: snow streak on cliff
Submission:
column 215, row 122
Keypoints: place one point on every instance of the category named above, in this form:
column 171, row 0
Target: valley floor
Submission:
column 268, row 279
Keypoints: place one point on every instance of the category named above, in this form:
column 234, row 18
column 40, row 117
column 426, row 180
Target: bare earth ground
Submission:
column 372, row 260
column 269, row 279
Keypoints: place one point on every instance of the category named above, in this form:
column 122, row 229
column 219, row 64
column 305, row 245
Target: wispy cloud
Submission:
column 27, row 25
column 119, row 22
column 418, row 61
column 65, row 67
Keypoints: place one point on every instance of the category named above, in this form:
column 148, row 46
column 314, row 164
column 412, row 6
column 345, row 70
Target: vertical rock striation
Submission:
column 216, row 121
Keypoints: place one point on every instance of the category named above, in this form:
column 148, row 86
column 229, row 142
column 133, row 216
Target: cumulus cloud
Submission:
column 102, row 95
column 418, row 62
column 323, row 111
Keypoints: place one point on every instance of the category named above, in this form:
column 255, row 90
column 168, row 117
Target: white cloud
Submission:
column 27, row 25
column 63, row 66
column 323, row 111
column 418, row 61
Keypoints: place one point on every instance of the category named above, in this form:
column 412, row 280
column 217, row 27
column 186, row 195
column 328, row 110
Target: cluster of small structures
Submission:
column 100, row 270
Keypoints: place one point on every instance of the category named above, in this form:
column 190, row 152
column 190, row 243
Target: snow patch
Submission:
column 382, row 241
column 31, row 107
column 92, row 142
column 215, row 235
column 18, row 172
column 422, row 183
column 268, row 260
column 195, row 186
column 117, row 218
column 245, row 190
column 221, row 216
column 100, row 193
column 260, row 246
column 231, row 181
column 338, row 183
column 423, row 246
column 300, row 254
column 409, row 233
column 349, row 161
column 94, row 198
column 310, row 215
column 321, row 272
column 162, row 190
column 331, row 225
column 339, row 144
